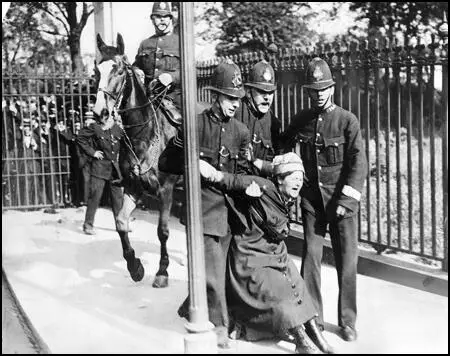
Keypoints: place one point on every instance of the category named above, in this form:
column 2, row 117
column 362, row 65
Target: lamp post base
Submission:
column 200, row 343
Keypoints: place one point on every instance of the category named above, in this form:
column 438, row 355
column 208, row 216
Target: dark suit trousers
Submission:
column 95, row 194
column 86, row 172
column 344, row 241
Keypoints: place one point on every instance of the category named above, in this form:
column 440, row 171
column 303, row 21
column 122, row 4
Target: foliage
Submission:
column 246, row 21
column 44, row 29
column 406, row 18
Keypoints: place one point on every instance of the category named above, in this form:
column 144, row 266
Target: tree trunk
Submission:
column 75, row 53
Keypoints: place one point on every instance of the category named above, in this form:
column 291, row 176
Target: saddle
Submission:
column 158, row 94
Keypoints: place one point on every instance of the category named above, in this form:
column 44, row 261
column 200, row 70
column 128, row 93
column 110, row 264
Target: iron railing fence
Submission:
column 400, row 95
column 36, row 162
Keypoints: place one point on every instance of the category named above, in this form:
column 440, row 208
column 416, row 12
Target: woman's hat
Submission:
column 287, row 163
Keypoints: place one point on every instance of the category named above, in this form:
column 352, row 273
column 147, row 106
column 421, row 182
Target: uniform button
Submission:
column 336, row 144
column 296, row 294
column 319, row 168
column 284, row 274
column 280, row 260
column 320, row 119
column 221, row 165
column 320, row 184
column 157, row 59
column 318, row 151
column 112, row 152
column 318, row 134
column 201, row 153
column 299, row 301
column 293, row 285
column 159, row 39
column 223, row 130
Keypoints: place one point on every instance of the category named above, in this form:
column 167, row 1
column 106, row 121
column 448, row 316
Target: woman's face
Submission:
column 291, row 184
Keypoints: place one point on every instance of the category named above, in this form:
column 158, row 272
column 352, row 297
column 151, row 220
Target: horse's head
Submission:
column 111, row 73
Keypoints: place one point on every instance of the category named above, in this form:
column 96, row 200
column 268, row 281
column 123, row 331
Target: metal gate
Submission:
column 41, row 102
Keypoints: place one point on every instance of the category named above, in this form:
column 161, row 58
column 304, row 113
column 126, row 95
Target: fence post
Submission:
column 443, row 32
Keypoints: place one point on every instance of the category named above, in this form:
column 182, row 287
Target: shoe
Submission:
column 348, row 333
column 303, row 344
column 88, row 230
column 315, row 333
column 223, row 341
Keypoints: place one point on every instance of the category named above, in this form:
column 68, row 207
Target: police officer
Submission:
column 335, row 170
column 256, row 113
column 223, row 142
column 159, row 58
column 101, row 141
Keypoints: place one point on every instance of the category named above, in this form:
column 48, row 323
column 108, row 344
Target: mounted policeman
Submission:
column 159, row 58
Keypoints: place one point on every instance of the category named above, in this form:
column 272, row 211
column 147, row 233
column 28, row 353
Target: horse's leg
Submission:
column 134, row 264
column 165, row 196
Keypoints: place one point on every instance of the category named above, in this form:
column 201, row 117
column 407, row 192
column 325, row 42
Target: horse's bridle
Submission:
column 117, row 101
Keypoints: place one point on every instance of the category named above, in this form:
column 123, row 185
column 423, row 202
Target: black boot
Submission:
column 303, row 344
column 314, row 332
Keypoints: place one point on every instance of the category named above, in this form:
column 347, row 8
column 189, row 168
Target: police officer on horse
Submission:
column 159, row 58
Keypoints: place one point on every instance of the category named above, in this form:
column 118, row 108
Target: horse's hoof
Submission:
column 160, row 282
column 136, row 269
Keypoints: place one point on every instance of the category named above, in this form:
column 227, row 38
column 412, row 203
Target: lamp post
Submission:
column 201, row 337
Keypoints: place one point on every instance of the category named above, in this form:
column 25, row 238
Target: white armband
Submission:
column 351, row 192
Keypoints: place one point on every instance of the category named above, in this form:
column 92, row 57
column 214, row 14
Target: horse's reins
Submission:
column 117, row 101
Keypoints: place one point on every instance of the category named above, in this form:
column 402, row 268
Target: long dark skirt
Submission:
column 266, row 294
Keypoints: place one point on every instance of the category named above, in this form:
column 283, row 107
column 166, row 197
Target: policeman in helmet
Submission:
column 335, row 171
column 159, row 58
column 256, row 113
column 223, row 142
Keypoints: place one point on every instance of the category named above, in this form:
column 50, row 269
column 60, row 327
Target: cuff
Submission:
column 351, row 192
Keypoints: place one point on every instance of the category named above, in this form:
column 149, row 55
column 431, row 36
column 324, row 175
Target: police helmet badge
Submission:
column 162, row 6
column 236, row 80
column 317, row 74
column 267, row 75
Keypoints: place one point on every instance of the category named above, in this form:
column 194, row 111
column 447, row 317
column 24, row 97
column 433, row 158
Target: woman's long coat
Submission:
column 266, row 294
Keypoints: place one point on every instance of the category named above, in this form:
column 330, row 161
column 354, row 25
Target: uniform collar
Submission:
column 217, row 115
column 327, row 110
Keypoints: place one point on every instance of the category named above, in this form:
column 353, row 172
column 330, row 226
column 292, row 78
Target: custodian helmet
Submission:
column 227, row 79
column 262, row 77
column 162, row 9
column 318, row 75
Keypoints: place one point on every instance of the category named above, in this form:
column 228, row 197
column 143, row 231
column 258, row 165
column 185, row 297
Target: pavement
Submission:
column 79, row 297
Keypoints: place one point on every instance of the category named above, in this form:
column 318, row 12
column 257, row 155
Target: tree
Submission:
column 406, row 18
column 243, row 22
column 44, row 24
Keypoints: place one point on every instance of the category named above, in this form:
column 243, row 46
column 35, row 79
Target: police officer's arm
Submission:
column 265, row 167
column 242, row 162
column 229, row 182
column 171, row 159
column 84, row 140
column 287, row 139
column 355, row 166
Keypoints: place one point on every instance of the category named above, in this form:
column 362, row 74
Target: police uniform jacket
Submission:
column 332, row 151
column 264, row 133
column 223, row 144
column 160, row 54
column 95, row 138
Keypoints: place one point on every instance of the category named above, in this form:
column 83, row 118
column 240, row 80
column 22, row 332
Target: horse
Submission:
column 146, row 133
